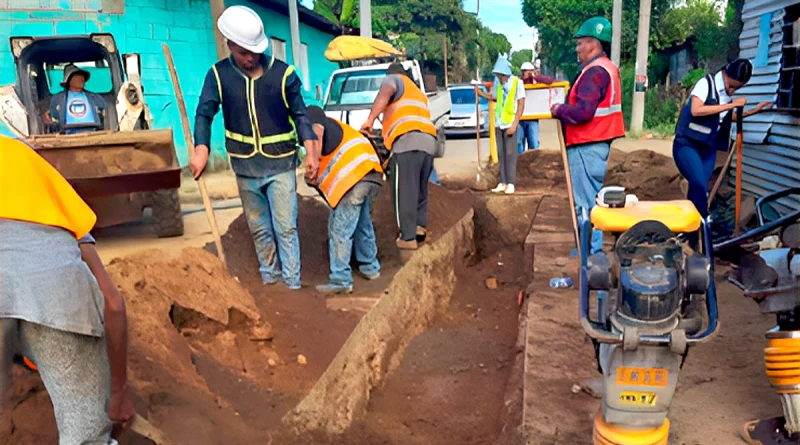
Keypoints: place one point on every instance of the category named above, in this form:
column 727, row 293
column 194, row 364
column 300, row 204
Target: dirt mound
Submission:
column 540, row 169
column 180, row 311
column 445, row 208
column 645, row 173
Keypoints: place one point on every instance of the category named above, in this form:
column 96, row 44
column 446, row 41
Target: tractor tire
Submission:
column 166, row 206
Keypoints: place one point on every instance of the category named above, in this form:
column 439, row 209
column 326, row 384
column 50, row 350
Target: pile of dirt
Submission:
column 181, row 312
column 540, row 169
column 445, row 208
column 646, row 174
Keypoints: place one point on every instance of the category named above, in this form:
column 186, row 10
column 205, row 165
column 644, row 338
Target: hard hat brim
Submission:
column 258, row 47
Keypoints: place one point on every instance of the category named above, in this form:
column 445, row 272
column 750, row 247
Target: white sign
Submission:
column 539, row 99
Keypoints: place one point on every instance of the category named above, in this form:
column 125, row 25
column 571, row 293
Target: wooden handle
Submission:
column 721, row 176
column 478, row 124
column 739, row 159
column 142, row 427
column 187, row 135
column 568, row 176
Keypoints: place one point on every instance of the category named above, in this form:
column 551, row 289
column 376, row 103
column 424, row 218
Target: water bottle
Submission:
column 561, row 283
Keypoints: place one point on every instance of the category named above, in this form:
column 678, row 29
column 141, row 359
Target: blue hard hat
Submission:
column 502, row 66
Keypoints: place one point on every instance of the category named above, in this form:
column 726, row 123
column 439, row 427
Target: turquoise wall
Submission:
column 185, row 25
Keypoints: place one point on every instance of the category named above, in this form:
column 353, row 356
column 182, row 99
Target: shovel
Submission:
column 735, row 150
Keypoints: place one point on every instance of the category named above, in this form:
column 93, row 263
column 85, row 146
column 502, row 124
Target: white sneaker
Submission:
column 509, row 189
column 499, row 189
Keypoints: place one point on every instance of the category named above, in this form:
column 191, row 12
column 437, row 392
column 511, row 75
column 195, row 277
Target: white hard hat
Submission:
column 242, row 26
column 538, row 63
column 527, row 66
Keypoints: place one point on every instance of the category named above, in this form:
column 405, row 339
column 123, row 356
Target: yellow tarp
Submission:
column 348, row 48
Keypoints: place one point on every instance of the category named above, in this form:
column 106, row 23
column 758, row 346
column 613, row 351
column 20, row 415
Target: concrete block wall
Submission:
column 185, row 25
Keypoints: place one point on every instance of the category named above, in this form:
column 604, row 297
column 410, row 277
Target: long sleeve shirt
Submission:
column 209, row 104
column 589, row 92
column 533, row 80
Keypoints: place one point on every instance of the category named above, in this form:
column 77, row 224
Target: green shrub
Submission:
column 692, row 77
column 661, row 106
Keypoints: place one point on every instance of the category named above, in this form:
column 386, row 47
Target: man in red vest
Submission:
column 591, row 116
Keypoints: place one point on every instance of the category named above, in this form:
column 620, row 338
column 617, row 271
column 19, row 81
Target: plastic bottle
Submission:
column 561, row 283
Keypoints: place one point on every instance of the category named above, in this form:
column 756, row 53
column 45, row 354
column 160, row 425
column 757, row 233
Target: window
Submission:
column 278, row 48
column 462, row 96
column 302, row 64
column 100, row 80
column 789, row 87
column 355, row 88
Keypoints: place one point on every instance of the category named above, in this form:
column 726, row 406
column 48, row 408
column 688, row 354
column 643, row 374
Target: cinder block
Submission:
column 70, row 28
column 160, row 33
column 32, row 29
column 144, row 30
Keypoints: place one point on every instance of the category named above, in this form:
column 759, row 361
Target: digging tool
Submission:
column 731, row 151
column 568, row 176
column 739, row 156
column 478, row 131
column 142, row 427
column 201, row 184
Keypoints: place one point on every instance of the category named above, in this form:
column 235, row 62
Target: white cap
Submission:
column 242, row 26
column 538, row 63
column 527, row 66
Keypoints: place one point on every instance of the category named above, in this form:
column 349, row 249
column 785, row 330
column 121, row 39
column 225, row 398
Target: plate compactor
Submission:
column 652, row 297
column 769, row 273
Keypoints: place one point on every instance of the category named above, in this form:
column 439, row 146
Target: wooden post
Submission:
column 446, row 82
column 570, row 192
column 187, row 135
column 217, row 7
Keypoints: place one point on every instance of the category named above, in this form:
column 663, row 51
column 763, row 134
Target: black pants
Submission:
column 409, row 173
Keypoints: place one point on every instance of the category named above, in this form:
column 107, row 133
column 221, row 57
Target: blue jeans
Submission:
column 587, row 166
column 270, row 206
column 349, row 228
column 528, row 130
column 696, row 163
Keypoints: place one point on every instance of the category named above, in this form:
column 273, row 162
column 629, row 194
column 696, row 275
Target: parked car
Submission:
column 462, row 119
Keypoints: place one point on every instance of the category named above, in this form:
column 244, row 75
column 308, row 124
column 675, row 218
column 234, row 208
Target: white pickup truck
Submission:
column 352, row 91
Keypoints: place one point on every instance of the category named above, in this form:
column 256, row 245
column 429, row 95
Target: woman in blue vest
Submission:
column 704, row 127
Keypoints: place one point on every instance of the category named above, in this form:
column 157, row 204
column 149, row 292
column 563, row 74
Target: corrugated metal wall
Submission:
column 771, row 139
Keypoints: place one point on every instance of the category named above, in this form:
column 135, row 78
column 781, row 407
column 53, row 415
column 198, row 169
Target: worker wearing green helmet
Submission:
column 591, row 116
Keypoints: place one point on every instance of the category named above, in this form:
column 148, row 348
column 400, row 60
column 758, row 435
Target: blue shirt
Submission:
column 79, row 111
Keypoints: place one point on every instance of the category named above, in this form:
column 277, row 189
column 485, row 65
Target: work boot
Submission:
column 422, row 233
column 406, row 245
column 334, row 289
column 499, row 189
column 368, row 276
column 770, row 431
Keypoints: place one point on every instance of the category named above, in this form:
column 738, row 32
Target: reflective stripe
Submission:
column 699, row 128
column 406, row 119
column 340, row 152
column 407, row 103
column 343, row 173
column 286, row 75
column 285, row 137
column 219, row 84
column 608, row 111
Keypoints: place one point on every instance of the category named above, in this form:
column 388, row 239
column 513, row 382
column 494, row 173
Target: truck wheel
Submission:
column 166, row 205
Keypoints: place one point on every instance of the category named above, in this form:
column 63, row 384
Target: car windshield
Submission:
column 356, row 87
column 464, row 96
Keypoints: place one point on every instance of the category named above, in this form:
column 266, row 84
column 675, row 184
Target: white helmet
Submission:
column 527, row 66
column 242, row 26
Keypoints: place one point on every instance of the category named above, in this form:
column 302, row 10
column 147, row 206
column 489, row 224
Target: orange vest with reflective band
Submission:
column 353, row 159
column 607, row 123
column 407, row 114
column 31, row 190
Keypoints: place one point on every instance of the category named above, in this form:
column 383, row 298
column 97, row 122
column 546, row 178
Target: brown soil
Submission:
column 648, row 175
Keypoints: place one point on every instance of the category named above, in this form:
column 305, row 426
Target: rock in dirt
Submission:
column 491, row 283
column 301, row 359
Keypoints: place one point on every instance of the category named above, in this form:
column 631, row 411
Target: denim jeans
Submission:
column 270, row 206
column 587, row 166
column 350, row 228
column 696, row 163
column 528, row 130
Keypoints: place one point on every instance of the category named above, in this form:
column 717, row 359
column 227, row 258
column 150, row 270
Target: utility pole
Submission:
column 294, row 29
column 217, row 7
column 640, row 83
column 478, row 56
column 365, row 17
column 616, row 31
column 445, row 60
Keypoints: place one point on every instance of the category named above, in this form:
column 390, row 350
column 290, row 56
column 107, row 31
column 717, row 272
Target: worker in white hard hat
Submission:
column 264, row 116
column 529, row 128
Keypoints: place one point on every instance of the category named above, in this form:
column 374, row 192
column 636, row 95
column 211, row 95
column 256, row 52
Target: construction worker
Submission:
column 591, row 116
column 58, row 305
column 704, row 127
column 410, row 137
column 264, row 115
column 349, row 177
column 529, row 128
column 509, row 93
column 75, row 106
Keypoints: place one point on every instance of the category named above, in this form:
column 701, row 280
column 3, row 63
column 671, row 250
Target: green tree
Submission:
column 518, row 58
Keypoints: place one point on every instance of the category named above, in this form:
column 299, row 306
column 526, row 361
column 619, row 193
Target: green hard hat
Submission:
column 597, row 27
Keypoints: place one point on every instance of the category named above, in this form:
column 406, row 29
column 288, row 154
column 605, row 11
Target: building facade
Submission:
column 771, row 40
column 141, row 26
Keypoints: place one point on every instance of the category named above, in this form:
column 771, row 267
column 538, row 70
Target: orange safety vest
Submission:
column 407, row 114
column 31, row 190
column 607, row 123
column 340, row 170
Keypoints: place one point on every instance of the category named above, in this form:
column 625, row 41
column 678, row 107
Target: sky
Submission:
column 501, row 16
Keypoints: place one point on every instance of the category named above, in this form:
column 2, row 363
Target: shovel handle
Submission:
column 739, row 159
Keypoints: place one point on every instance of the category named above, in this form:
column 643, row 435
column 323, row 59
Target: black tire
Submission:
column 166, row 205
